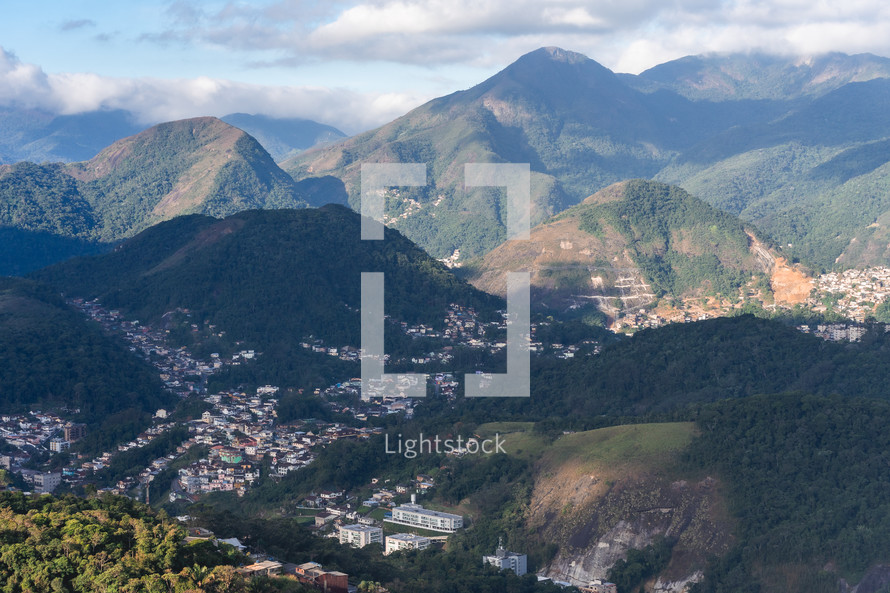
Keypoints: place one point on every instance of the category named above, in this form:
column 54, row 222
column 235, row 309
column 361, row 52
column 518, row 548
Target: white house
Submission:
column 504, row 559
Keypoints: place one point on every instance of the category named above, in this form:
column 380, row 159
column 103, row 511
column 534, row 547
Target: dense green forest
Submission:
column 658, row 372
column 807, row 479
column 681, row 243
column 44, row 198
column 22, row 252
column 108, row 544
column 54, row 359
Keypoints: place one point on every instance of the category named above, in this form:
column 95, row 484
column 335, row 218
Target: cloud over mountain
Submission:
column 626, row 36
column 155, row 99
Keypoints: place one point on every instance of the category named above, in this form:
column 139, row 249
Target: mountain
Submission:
column 762, row 493
column 816, row 178
column 51, row 358
column 284, row 137
column 785, row 143
column 268, row 278
column 626, row 247
column 720, row 77
column 198, row 165
column 554, row 109
column 40, row 136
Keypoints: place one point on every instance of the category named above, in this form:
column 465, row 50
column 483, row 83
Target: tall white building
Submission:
column 406, row 541
column 359, row 536
column 504, row 559
column 415, row 515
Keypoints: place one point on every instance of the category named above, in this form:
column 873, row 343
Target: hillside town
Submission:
column 853, row 294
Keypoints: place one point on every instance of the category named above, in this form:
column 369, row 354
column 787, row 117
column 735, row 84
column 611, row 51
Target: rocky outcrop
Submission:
column 604, row 519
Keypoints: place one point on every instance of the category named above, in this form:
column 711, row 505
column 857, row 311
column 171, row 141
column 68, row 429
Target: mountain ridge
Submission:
column 199, row 165
column 582, row 127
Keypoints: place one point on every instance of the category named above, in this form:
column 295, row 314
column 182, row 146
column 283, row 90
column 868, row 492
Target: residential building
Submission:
column 75, row 432
column 359, row 536
column 414, row 515
column 506, row 560
column 324, row 518
column 46, row 483
column 312, row 573
column 405, row 541
column 265, row 568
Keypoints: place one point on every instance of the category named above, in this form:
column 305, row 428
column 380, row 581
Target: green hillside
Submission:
column 53, row 359
column 267, row 277
column 665, row 369
column 806, row 478
column 661, row 371
column 630, row 246
column 679, row 242
column 24, row 251
column 199, row 165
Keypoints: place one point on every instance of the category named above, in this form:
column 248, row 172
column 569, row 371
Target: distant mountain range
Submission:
column 201, row 165
column 40, row 136
column 798, row 148
column 719, row 77
column 787, row 144
column 284, row 137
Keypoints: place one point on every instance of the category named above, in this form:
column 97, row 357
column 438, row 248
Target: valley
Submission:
column 181, row 341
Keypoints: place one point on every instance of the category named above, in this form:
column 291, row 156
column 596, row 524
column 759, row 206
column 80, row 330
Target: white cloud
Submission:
column 24, row 85
column 154, row 100
column 461, row 41
column 622, row 34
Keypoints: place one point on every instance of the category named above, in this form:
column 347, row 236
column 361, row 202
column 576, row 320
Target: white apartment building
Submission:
column 359, row 536
column 414, row 515
column 406, row 541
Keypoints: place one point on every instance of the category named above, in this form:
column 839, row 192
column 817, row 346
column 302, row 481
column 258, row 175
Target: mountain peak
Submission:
column 553, row 56
column 558, row 54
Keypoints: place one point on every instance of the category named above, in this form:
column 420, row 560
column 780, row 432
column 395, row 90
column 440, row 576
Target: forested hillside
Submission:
column 54, row 359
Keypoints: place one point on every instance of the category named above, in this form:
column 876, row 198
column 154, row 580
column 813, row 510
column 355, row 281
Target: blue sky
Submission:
column 358, row 63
